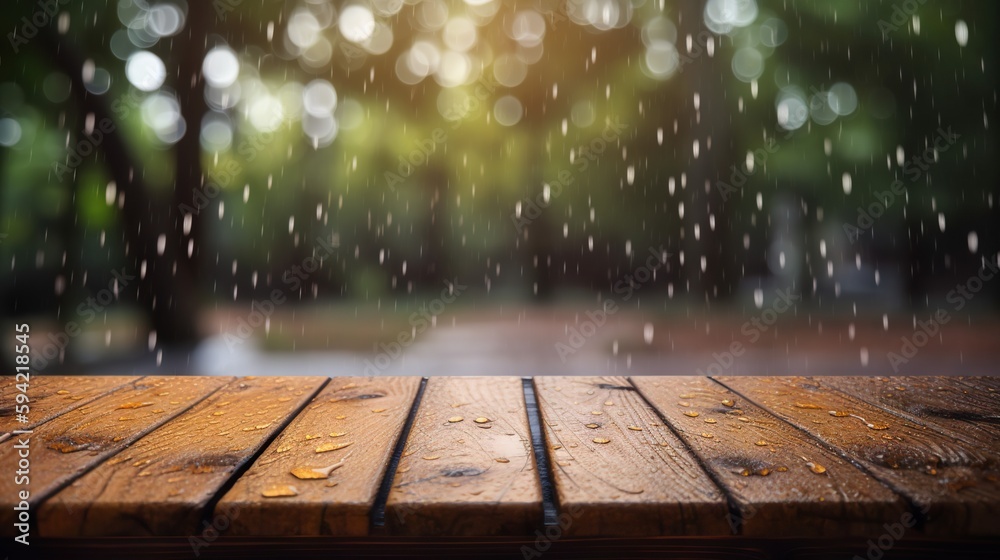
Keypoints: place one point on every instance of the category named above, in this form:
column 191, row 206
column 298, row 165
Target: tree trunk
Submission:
column 704, row 76
column 189, row 175
column 166, row 289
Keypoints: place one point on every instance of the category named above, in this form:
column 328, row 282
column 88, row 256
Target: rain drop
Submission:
column 961, row 33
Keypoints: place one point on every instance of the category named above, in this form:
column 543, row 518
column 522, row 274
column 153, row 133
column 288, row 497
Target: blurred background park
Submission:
column 432, row 187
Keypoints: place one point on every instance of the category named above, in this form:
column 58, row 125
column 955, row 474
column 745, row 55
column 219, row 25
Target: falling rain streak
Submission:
column 406, row 187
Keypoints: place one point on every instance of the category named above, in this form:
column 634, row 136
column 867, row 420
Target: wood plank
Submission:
column 758, row 459
column 66, row 447
column 987, row 383
column 52, row 395
column 964, row 411
column 463, row 477
column 344, row 413
column 642, row 480
column 954, row 484
column 160, row 486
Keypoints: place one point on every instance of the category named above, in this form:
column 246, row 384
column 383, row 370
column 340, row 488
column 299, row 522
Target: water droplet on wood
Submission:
column 306, row 473
column 816, row 467
column 134, row 405
column 332, row 446
column 279, row 491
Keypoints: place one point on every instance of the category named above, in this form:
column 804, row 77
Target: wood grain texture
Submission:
column 761, row 462
column 641, row 481
column 66, row 447
column 954, row 484
column 162, row 483
column 952, row 405
column 366, row 413
column 51, row 396
column 990, row 384
column 460, row 477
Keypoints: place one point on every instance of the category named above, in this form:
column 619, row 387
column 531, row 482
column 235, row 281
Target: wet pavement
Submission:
column 566, row 342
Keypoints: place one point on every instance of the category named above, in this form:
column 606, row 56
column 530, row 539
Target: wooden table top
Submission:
column 504, row 457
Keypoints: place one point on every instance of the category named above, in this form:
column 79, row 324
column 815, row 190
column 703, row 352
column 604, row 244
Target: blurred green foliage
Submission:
column 452, row 216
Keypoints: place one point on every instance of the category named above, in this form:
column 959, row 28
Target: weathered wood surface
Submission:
column 162, row 483
column 953, row 484
column 645, row 465
column 618, row 469
column 51, row 396
column 777, row 475
column 359, row 419
column 467, row 467
column 989, row 384
column 66, row 447
column 966, row 411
